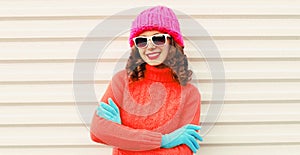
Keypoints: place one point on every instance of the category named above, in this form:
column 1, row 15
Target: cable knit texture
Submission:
column 158, row 18
column 150, row 107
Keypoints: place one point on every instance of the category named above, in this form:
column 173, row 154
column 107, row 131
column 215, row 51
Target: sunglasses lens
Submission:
column 159, row 40
column 141, row 42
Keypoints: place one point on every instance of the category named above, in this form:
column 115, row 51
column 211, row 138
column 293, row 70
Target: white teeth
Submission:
column 153, row 54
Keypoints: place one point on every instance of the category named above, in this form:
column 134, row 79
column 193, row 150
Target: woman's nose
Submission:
column 150, row 44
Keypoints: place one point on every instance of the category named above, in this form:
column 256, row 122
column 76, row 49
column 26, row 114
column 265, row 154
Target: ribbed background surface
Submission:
column 258, row 41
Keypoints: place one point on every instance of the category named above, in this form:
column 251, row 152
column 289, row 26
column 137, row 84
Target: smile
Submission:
column 153, row 55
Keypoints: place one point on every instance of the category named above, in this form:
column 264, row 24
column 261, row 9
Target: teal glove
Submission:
column 184, row 135
column 109, row 111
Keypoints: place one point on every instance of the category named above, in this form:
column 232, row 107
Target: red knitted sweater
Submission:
column 149, row 108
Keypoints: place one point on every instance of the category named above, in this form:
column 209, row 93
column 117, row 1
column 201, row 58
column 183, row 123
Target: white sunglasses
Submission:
column 157, row 40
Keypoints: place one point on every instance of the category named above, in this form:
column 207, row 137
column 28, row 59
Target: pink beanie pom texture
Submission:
column 158, row 18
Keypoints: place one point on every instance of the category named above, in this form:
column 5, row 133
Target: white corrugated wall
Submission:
column 258, row 41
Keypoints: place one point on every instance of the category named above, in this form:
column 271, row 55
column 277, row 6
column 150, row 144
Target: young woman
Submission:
column 150, row 108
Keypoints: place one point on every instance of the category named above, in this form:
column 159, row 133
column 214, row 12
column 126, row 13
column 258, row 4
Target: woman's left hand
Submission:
column 109, row 111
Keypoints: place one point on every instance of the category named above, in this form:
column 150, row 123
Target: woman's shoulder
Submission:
column 120, row 75
column 118, row 80
column 191, row 88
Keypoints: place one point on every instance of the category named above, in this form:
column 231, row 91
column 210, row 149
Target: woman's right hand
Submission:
column 109, row 111
column 184, row 135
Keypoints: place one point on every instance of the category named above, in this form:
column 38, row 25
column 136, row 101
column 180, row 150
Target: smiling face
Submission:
column 152, row 54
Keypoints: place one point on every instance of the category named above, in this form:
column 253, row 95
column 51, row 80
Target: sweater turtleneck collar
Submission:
column 158, row 74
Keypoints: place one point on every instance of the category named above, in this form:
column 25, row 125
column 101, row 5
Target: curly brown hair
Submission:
column 176, row 60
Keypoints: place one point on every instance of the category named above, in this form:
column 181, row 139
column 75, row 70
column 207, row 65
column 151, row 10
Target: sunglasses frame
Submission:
column 151, row 39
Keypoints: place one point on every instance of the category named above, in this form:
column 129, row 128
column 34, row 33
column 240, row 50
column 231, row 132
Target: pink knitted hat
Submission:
column 158, row 18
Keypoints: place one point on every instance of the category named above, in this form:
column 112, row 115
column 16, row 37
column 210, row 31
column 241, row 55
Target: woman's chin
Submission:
column 154, row 63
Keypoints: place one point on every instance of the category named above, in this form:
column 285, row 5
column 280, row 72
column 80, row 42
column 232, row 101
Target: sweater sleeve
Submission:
column 197, row 104
column 123, row 137
column 190, row 113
